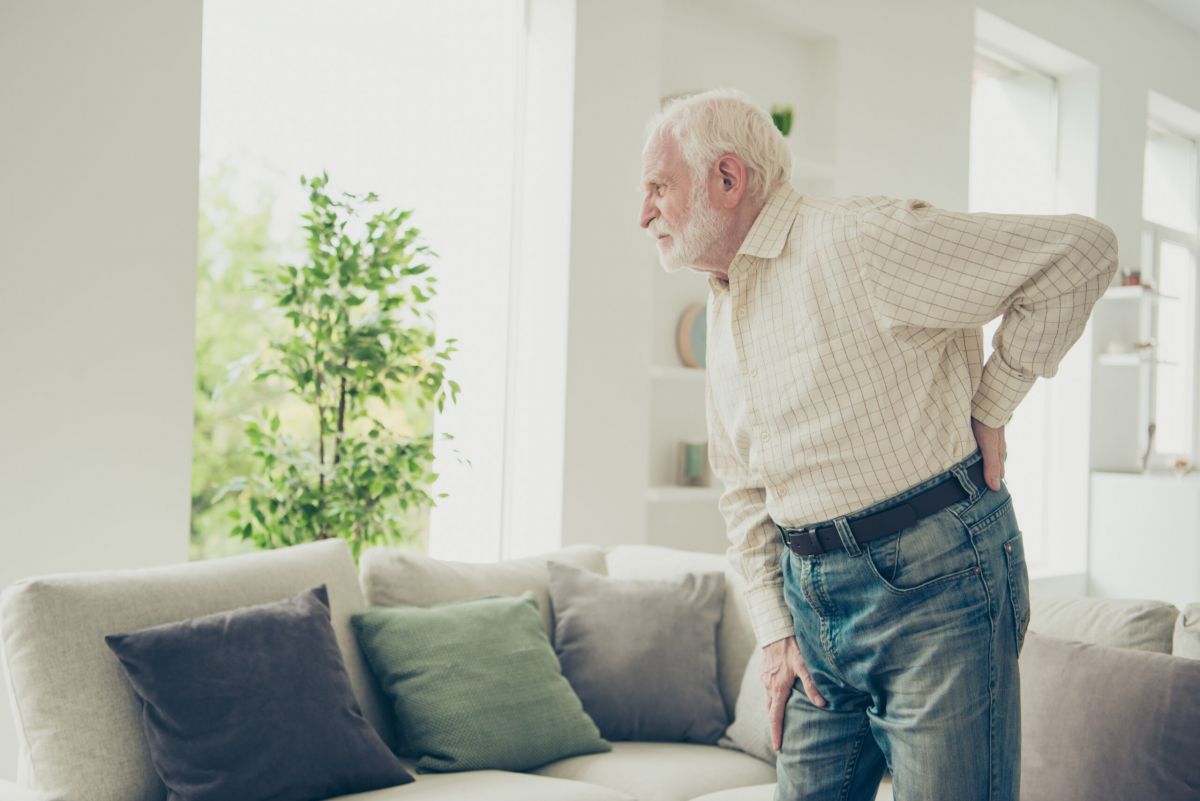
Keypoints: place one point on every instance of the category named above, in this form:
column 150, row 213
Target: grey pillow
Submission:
column 254, row 703
column 1187, row 633
column 396, row 577
column 642, row 653
column 1119, row 623
column 750, row 731
column 1100, row 723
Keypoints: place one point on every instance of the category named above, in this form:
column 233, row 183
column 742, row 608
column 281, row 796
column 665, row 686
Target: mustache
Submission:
column 657, row 229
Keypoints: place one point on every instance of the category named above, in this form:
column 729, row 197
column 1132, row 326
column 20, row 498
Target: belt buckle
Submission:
column 808, row 531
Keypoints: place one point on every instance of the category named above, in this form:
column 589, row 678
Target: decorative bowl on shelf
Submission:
column 691, row 335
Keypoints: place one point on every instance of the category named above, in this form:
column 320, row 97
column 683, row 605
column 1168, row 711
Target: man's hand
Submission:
column 781, row 664
column 991, row 444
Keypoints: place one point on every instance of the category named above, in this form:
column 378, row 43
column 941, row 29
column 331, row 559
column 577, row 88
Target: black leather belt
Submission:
column 824, row 537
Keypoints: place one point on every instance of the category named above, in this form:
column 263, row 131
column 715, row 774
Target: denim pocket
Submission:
column 935, row 549
column 1018, row 586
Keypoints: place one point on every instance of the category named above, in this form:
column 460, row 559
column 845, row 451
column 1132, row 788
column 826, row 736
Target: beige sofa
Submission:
column 79, row 734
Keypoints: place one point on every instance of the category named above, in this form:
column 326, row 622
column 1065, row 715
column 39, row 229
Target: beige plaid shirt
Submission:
column 845, row 355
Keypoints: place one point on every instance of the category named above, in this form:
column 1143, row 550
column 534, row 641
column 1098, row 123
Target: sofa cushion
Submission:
column 394, row 577
column 664, row 771
column 1140, row 625
column 735, row 635
column 766, row 792
column 475, row 684
column 757, row 792
column 1107, row 723
column 254, row 703
column 1187, row 633
column 78, row 721
column 751, row 729
column 490, row 785
column 642, row 653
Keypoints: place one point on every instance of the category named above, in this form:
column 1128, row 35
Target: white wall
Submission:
column 610, row 293
column 99, row 148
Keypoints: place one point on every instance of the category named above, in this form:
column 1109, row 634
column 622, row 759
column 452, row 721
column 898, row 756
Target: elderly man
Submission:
column 852, row 420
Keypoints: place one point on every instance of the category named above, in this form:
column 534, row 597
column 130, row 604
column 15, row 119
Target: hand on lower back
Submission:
column 991, row 445
column 782, row 664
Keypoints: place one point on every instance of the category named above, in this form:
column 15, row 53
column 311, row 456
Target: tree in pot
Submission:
column 361, row 339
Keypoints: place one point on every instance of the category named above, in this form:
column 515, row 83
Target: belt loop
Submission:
column 847, row 536
column 960, row 472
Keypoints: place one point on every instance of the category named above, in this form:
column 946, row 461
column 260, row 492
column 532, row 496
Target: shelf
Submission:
column 1128, row 360
column 1125, row 292
column 670, row 494
column 677, row 373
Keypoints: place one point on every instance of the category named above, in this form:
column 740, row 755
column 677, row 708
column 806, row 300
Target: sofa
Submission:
column 81, row 739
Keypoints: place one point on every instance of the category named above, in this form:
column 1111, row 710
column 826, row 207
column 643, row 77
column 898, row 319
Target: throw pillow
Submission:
column 735, row 634
column 751, row 729
column 1118, row 623
column 396, row 577
column 642, row 653
column 1187, row 633
column 254, row 703
column 1100, row 723
column 475, row 684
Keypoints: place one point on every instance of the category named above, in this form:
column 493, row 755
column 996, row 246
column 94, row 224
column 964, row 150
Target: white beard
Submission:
column 696, row 239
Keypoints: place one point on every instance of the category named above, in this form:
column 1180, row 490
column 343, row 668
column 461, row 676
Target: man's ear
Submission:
column 731, row 176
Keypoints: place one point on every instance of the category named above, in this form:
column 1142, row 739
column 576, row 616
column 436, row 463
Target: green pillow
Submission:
column 476, row 684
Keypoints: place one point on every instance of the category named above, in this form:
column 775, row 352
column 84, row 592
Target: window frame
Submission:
column 1154, row 235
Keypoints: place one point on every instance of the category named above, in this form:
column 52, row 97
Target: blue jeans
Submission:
column 913, row 640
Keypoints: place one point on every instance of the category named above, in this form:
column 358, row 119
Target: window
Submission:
column 1014, row 156
column 1014, row 137
column 413, row 101
column 1171, row 212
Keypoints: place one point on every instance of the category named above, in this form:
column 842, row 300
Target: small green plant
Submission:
column 782, row 117
column 360, row 345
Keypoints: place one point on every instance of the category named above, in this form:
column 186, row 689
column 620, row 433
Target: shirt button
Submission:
column 765, row 436
column 741, row 313
column 1008, row 547
column 754, row 373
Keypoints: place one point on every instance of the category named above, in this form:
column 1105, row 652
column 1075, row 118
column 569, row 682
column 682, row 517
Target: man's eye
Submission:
column 659, row 189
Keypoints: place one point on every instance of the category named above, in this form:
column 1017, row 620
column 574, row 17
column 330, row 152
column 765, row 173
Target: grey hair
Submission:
column 709, row 124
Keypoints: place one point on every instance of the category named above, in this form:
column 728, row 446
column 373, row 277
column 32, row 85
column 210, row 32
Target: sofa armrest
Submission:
column 11, row 792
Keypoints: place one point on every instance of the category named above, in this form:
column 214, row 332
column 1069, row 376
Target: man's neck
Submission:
column 739, row 228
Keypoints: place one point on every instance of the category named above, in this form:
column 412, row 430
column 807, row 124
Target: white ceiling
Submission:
column 1184, row 11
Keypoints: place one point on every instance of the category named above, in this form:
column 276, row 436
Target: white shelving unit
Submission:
column 1125, row 315
column 1128, row 360
column 1136, row 292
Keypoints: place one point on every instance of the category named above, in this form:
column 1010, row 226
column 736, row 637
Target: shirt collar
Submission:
column 769, row 233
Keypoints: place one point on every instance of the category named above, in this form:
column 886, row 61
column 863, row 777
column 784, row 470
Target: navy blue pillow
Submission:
column 254, row 704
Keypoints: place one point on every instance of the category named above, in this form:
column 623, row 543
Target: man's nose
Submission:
column 648, row 213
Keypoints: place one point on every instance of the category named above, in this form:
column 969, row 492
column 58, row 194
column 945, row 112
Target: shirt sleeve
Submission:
column 755, row 548
column 932, row 268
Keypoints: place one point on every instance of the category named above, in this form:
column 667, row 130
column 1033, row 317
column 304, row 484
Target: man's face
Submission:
column 676, row 210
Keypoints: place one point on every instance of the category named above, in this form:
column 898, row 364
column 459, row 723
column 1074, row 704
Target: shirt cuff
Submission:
column 1000, row 391
column 769, row 614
